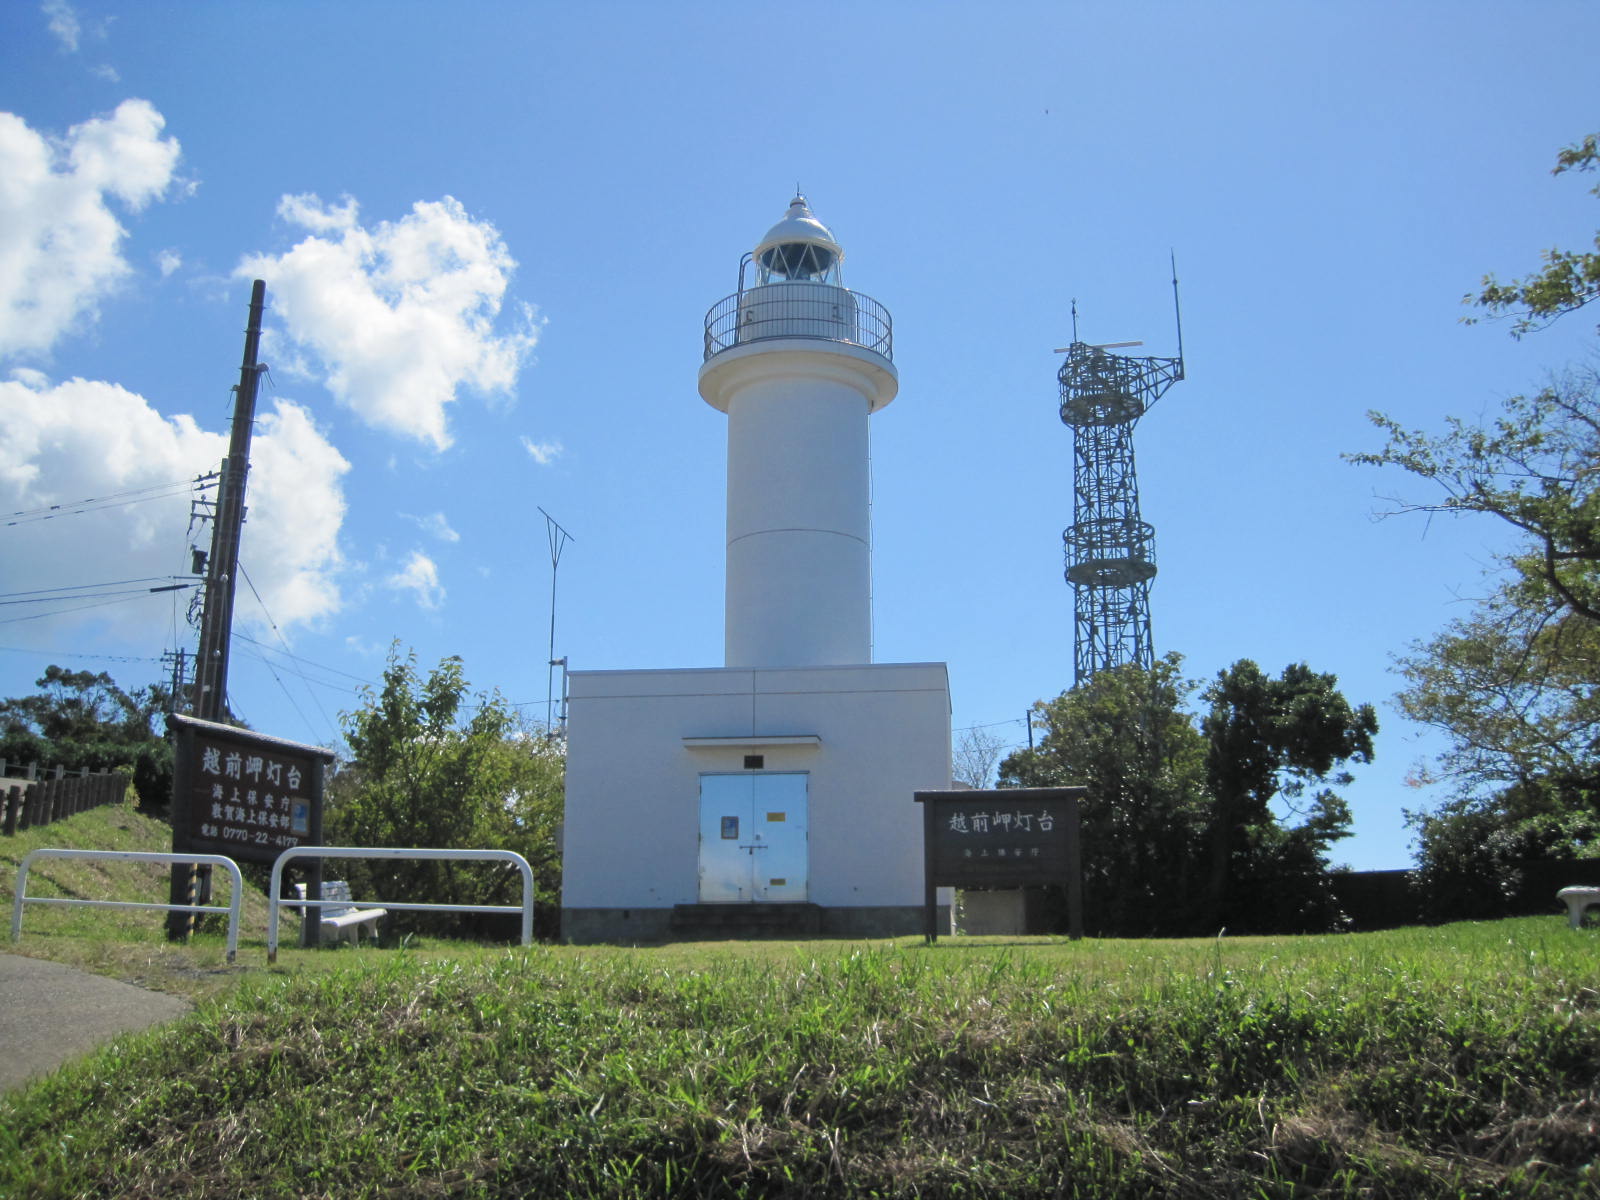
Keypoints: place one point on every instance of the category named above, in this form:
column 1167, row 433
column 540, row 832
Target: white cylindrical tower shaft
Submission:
column 798, row 362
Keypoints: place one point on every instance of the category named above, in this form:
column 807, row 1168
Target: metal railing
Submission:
column 21, row 897
column 274, row 903
column 820, row 311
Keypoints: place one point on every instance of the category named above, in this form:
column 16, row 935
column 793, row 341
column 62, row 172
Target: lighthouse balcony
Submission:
column 818, row 311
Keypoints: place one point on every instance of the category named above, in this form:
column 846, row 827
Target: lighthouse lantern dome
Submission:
column 798, row 248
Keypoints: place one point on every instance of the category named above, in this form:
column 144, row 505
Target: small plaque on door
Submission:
column 730, row 828
column 777, row 883
column 776, row 818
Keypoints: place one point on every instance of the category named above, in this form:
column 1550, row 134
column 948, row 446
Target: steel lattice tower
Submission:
column 1110, row 550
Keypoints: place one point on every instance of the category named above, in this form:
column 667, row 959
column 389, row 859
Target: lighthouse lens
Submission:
column 798, row 260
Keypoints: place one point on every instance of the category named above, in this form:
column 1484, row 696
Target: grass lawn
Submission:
column 1462, row 1060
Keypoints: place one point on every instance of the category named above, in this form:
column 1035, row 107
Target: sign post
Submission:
column 1009, row 837
column 244, row 795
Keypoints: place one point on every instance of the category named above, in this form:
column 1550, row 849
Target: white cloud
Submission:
column 106, row 72
column 297, row 508
column 169, row 260
column 60, row 245
column 309, row 212
column 63, row 23
column 543, row 453
column 437, row 525
column 82, row 438
column 400, row 317
column 420, row 577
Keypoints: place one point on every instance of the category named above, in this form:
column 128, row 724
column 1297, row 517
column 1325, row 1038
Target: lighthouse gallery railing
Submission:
column 799, row 310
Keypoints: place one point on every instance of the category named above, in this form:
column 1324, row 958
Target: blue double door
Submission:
column 753, row 838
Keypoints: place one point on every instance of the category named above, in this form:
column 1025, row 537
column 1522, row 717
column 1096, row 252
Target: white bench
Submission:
column 1577, row 899
column 345, row 921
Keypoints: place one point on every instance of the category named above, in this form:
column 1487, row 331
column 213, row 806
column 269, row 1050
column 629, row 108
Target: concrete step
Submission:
column 746, row 920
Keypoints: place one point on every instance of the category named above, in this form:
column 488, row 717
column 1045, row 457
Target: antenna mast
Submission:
column 1177, row 312
column 1110, row 550
column 558, row 539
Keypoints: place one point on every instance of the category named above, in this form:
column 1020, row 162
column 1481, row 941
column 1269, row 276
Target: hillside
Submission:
column 1447, row 1062
column 1458, row 1061
column 123, row 943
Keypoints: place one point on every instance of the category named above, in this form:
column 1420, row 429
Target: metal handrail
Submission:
column 20, row 896
column 413, row 853
column 811, row 312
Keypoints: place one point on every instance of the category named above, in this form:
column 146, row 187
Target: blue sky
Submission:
column 491, row 232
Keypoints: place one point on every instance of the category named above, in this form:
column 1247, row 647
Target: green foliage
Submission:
column 84, row 721
column 1515, row 687
column 1180, row 810
column 427, row 769
column 1532, row 467
column 1125, row 736
column 1458, row 1062
column 1273, row 740
column 1568, row 279
column 1474, row 854
column 1514, row 684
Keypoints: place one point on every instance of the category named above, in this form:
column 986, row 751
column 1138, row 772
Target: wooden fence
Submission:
column 25, row 803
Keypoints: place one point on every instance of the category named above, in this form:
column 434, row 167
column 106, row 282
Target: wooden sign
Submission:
column 1008, row 837
column 243, row 794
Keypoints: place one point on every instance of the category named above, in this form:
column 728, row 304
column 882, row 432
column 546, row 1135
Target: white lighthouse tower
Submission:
column 798, row 362
column 774, row 793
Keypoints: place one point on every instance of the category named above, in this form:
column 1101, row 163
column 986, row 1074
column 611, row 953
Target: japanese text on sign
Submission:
column 1001, row 821
column 246, row 799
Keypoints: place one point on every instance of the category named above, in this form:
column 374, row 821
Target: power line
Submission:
column 78, row 654
column 73, row 508
column 273, row 625
column 991, row 725
column 362, row 680
column 7, row 597
column 102, row 600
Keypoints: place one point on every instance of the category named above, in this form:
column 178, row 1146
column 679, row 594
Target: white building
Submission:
column 774, row 792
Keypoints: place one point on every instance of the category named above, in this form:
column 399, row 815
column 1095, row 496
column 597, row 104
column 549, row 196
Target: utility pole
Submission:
column 180, row 675
column 222, row 568
column 192, row 885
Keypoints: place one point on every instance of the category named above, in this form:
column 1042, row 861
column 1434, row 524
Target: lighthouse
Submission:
column 798, row 363
column 773, row 794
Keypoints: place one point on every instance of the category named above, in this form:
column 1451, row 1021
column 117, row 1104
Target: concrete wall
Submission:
column 868, row 737
column 993, row 912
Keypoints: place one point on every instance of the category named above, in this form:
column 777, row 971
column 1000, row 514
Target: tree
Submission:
column 1475, row 853
column 1514, row 684
column 1274, row 740
column 1180, row 811
column 1568, row 280
column 1514, row 687
column 84, row 721
column 427, row 769
column 1537, row 468
column 976, row 754
column 1124, row 734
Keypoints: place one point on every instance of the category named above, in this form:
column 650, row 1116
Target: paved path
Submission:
column 50, row 1014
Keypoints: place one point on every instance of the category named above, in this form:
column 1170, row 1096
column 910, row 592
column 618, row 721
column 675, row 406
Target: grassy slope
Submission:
column 1459, row 1061
column 127, row 944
